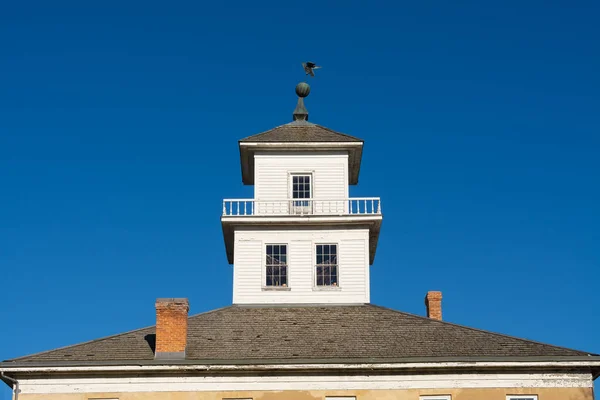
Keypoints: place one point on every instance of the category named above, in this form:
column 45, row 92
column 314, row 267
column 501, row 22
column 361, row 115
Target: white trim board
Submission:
column 407, row 366
column 301, row 382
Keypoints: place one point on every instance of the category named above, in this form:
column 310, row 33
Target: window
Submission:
column 436, row 397
column 327, row 265
column 301, row 189
column 276, row 264
column 102, row 398
column 522, row 397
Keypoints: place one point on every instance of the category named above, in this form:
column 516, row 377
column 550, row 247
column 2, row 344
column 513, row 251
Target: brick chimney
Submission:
column 171, row 328
column 433, row 302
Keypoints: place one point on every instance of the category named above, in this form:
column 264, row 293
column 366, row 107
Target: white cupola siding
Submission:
column 351, row 285
column 327, row 174
column 301, row 239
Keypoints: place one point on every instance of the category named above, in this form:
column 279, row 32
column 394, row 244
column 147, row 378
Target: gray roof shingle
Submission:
column 257, row 333
column 301, row 131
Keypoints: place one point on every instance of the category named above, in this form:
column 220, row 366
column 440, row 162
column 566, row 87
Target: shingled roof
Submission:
column 259, row 334
column 300, row 131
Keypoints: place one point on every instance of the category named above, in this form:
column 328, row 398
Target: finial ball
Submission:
column 302, row 89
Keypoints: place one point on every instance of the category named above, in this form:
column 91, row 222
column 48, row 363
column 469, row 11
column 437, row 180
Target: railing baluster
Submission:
column 302, row 207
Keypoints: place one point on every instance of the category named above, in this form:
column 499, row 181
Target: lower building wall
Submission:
column 411, row 394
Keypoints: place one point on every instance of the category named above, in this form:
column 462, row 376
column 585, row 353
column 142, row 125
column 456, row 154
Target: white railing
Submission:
column 353, row 206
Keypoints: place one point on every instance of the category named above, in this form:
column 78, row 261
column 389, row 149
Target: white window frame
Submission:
column 301, row 209
column 103, row 398
column 521, row 396
column 436, row 397
column 314, row 260
column 264, row 266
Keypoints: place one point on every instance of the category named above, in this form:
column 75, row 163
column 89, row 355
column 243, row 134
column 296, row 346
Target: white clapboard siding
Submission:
column 329, row 174
column 353, row 267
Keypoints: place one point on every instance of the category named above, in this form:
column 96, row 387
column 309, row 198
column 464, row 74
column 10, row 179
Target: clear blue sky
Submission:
column 119, row 124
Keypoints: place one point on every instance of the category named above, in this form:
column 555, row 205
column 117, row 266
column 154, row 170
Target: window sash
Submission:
column 326, row 265
column 301, row 189
column 276, row 265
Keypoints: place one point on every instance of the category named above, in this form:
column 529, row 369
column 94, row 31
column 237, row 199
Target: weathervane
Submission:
column 302, row 90
column 309, row 68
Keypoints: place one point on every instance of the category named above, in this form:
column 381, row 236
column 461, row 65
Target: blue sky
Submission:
column 119, row 124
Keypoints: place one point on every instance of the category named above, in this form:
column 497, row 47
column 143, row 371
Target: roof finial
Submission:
column 301, row 113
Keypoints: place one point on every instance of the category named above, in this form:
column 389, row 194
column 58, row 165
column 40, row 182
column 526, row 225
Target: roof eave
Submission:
column 248, row 149
column 591, row 363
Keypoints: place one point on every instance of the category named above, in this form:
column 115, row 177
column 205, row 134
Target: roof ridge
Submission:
column 481, row 330
column 262, row 133
column 296, row 125
column 339, row 133
column 71, row 346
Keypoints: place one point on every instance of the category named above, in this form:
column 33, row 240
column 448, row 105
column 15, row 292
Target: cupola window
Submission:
column 327, row 265
column 276, row 265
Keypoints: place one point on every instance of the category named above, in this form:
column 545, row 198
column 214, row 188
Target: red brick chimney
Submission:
column 433, row 302
column 171, row 328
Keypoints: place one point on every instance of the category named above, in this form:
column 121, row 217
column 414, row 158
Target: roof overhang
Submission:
column 589, row 364
column 369, row 221
column 248, row 149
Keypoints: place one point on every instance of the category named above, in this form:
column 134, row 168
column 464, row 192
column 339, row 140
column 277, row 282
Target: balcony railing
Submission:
column 251, row 207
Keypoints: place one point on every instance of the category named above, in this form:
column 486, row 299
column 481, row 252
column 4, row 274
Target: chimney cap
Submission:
column 434, row 295
column 170, row 302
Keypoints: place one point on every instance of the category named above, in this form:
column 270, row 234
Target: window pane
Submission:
column 276, row 265
column 301, row 187
column 326, row 265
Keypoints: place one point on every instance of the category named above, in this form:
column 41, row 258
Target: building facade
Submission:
column 301, row 325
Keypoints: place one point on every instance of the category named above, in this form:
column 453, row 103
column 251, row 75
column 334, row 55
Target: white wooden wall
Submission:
column 353, row 269
column 272, row 174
